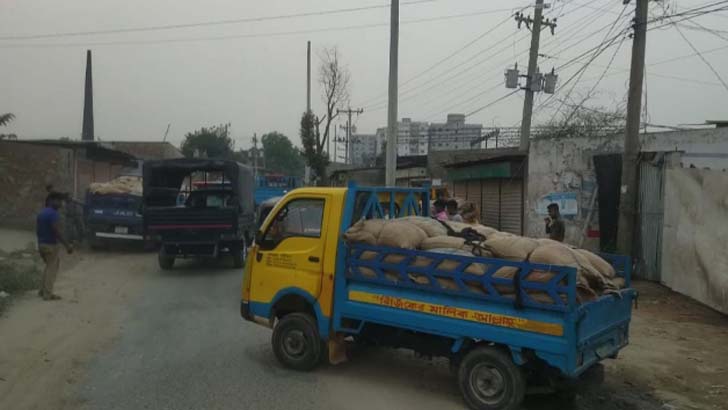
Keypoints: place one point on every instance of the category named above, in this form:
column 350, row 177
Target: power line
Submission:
column 686, row 56
column 596, row 54
column 239, row 36
column 205, row 23
column 710, row 66
column 578, row 40
column 439, row 62
column 491, row 103
column 380, row 104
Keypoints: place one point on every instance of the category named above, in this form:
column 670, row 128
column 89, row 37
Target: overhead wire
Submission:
column 469, row 82
column 205, row 23
column 239, row 36
column 381, row 103
column 707, row 63
column 486, row 59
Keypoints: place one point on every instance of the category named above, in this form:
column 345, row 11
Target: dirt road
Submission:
column 129, row 336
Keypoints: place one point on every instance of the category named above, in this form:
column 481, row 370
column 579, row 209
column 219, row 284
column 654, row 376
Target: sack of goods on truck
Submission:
column 121, row 185
column 595, row 276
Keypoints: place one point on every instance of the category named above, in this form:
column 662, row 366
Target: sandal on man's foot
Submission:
column 52, row 297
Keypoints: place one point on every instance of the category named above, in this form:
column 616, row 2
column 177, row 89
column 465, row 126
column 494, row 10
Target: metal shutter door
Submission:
column 490, row 203
column 459, row 189
column 512, row 206
column 473, row 191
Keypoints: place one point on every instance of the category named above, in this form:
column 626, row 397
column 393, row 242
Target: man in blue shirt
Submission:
column 48, row 232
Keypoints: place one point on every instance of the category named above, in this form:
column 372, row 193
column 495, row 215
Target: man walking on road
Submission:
column 48, row 232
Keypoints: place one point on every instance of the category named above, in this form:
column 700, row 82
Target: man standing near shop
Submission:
column 555, row 228
column 48, row 232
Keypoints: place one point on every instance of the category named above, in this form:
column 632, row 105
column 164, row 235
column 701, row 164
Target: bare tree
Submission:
column 579, row 119
column 333, row 77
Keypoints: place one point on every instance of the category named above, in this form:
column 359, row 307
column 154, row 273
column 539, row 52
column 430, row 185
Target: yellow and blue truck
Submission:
column 314, row 289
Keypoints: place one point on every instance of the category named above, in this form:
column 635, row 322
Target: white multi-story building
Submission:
column 411, row 138
column 418, row 138
column 454, row 134
column 363, row 149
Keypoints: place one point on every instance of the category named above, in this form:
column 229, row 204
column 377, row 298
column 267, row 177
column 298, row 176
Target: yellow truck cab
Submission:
column 291, row 266
column 313, row 289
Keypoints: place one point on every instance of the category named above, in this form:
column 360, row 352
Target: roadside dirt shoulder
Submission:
column 45, row 345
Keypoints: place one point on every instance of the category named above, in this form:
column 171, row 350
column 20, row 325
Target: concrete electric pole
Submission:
column 391, row 155
column 308, row 77
column 348, row 112
column 628, row 196
column 255, row 156
column 533, row 78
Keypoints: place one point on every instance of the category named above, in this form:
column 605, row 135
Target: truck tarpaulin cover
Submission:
column 163, row 179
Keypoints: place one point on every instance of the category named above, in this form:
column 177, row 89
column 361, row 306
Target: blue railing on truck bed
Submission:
column 466, row 276
column 409, row 289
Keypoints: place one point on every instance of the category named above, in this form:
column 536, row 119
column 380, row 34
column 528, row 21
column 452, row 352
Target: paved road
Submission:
column 183, row 345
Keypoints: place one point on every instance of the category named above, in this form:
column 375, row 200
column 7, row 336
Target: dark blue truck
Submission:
column 112, row 213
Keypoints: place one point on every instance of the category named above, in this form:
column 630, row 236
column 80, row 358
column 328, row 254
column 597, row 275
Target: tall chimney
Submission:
column 87, row 134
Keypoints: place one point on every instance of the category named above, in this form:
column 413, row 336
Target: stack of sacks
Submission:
column 121, row 185
column 595, row 276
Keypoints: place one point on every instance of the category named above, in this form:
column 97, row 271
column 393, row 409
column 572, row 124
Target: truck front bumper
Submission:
column 112, row 235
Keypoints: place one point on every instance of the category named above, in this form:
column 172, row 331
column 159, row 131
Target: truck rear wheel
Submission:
column 296, row 342
column 489, row 380
column 166, row 262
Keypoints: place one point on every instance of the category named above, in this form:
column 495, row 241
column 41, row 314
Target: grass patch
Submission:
column 20, row 271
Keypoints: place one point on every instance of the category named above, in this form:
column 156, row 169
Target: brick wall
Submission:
column 25, row 169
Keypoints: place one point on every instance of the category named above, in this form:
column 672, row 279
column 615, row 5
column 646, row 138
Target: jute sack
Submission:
column 561, row 255
column 442, row 242
column 598, row 263
column 596, row 280
column 365, row 231
column 486, row 231
column 449, row 265
column 432, row 227
column 511, row 247
column 400, row 234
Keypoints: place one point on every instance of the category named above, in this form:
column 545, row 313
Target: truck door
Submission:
column 290, row 251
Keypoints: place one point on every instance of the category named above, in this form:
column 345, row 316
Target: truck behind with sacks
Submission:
column 502, row 334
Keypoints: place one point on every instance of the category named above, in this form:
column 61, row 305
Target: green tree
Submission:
column 212, row 142
column 280, row 155
column 6, row 118
column 313, row 151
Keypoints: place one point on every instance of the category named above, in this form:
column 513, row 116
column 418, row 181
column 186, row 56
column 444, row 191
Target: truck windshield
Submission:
column 300, row 217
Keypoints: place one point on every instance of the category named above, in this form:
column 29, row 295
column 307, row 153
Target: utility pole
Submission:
column 348, row 111
column 255, row 156
column 308, row 77
column 533, row 79
column 391, row 155
column 628, row 197
column 336, row 153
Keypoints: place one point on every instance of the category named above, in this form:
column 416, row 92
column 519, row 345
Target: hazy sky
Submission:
column 256, row 81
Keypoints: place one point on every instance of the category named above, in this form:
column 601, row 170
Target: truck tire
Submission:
column 296, row 342
column 489, row 380
column 166, row 262
column 239, row 254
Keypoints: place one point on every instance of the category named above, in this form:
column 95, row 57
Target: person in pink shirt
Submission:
column 440, row 210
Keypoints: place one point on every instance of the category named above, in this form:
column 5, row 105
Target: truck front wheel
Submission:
column 489, row 380
column 239, row 253
column 166, row 262
column 296, row 342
